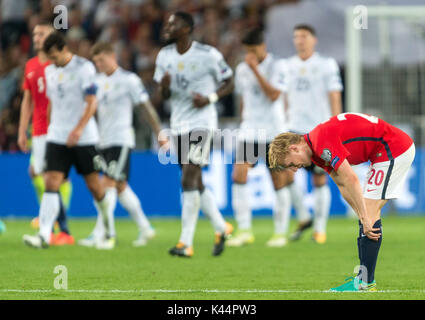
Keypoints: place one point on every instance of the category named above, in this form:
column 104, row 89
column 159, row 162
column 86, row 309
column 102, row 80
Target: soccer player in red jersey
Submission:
column 35, row 103
column 350, row 139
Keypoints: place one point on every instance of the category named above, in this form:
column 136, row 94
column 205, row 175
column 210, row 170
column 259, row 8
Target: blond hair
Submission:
column 279, row 147
column 101, row 47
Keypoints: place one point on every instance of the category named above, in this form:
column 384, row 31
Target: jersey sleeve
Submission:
column 279, row 76
column 335, row 151
column 88, row 79
column 333, row 78
column 219, row 67
column 138, row 93
column 159, row 67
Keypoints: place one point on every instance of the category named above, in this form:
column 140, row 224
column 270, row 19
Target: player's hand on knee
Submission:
column 370, row 232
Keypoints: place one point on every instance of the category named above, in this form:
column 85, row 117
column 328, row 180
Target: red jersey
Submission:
column 35, row 82
column 356, row 137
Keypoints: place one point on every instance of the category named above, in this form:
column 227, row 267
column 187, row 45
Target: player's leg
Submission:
column 38, row 151
column 104, row 202
column 322, row 204
column 58, row 162
column 49, row 210
column 369, row 249
column 384, row 181
column 190, row 209
column 241, row 206
column 223, row 229
column 303, row 216
column 130, row 202
column 282, row 208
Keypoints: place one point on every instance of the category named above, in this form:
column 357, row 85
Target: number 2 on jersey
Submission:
column 371, row 119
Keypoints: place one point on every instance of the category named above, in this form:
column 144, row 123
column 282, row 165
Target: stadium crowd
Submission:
column 132, row 26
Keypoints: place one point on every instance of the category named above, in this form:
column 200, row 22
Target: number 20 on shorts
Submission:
column 376, row 177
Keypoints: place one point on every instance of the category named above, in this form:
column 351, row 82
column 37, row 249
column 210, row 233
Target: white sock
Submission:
column 99, row 229
column 209, row 208
column 241, row 207
column 322, row 204
column 111, row 195
column 190, row 212
column 49, row 210
column 282, row 211
column 130, row 202
column 297, row 201
column 106, row 208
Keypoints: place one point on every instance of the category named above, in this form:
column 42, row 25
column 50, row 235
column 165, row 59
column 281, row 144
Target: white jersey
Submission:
column 117, row 94
column 309, row 84
column 259, row 112
column 199, row 70
column 66, row 88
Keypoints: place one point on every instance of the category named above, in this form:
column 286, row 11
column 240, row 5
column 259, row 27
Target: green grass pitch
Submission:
column 301, row 270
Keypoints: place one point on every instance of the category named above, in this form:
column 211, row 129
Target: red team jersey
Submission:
column 35, row 82
column 356, row 137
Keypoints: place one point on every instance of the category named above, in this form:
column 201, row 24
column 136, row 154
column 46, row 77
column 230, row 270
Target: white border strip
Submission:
column 194, row 291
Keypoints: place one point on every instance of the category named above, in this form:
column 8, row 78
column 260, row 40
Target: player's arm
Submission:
column 49, row 111
column 89, row 111
column 349, row 185
column 226, row 88
column 164, row 87
column 24, row 119
column 335, row 102
column 270, row 91
column 152, row 117
column 334, row 87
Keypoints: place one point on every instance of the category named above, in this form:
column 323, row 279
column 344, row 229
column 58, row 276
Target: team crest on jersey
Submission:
column 193, row 67
column 326, row 156
column 107, row 86
column 180, row 66
column 60, row 77
column 302, row 71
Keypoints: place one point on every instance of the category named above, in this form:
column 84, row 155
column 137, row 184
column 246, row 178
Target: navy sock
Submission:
column 368, row 252
column 63, row 225
column 358, row 243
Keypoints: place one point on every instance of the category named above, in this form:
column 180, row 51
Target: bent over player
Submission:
column 189, row 74
column 349, row 139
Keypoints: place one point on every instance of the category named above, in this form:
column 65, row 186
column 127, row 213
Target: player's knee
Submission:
column 121, row 185
column 52, row 182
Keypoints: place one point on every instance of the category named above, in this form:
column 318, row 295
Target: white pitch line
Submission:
column 191, row 291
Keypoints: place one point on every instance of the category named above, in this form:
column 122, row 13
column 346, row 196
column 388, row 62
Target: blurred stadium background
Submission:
column 383, row 68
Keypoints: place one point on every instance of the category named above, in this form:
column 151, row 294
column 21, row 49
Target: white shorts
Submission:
column 38, row 152
column 385, row 180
